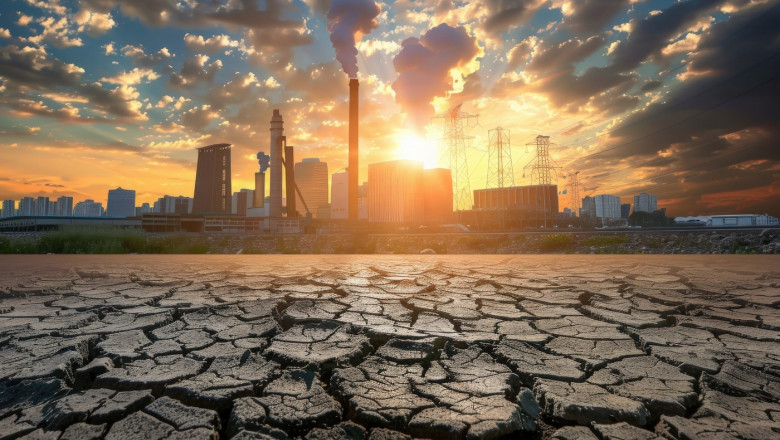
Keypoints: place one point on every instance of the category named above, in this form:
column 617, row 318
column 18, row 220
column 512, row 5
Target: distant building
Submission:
column 143, row 209
column 363, row 201
column 394, row 194
column 625, row 210
column 737, row 220
column 173, row 204
column 437, row 196
column 9, row 208
column 121, row 203
column 63, row 207
column 242, row 200
column 88, row 208
column 26, row 206
column 645, row 203
column 602, row 206
column 311, row 176
column 339, row 196
column 213, row 180
column 42, row 207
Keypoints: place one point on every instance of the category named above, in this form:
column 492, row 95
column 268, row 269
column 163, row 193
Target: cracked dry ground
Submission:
column 443, row 347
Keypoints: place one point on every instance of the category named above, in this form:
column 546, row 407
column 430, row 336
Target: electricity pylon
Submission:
column 500, row 172
column 454, row 141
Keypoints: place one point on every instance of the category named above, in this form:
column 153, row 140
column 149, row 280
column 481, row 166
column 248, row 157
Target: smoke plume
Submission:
column 348, row 21
column 424, row 66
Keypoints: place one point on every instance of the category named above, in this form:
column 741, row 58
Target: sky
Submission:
column 674, row 98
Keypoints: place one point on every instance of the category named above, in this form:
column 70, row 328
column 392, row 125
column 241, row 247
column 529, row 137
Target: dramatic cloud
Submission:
column 424, row 66
column 194, row 71
column 197, row 43
column 348, row 22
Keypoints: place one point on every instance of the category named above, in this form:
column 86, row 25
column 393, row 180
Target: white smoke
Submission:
column 424, row 66
column 348, row 22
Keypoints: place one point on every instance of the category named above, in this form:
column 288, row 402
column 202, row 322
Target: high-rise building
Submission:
column 625, row 210
column 121, row 203
column 242, row 200
column 64, row 206
column 88, row 208
column 645, row 203
column 9, row 208
column 339, row 196
column 311, row 176
column 26, row 206
column 602, row 206
column 42, row 206
column 173, row 205
column 145, row 208
column 394, row 192
column 212, row 180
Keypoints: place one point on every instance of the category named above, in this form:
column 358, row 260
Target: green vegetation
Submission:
column 604, row 240
column 557, row 243
column 104, row 241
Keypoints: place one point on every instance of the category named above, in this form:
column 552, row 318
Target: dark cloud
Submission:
column 239, row 89
column 194, row 71
column 32, row 67
column 140, row 58
column 650, row 85
column 504, row 14
column 651, row 34
column 588, row 16
column 519, row 54
column 723, row 115
column 198, row 118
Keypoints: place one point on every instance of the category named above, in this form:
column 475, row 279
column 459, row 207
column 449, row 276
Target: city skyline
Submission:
column 672, row 98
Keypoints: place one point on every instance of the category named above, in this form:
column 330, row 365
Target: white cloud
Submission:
column 95, row 23
column 109, row 48
column 5, row 33
column 135, row 76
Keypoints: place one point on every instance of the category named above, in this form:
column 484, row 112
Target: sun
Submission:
column 412, row 146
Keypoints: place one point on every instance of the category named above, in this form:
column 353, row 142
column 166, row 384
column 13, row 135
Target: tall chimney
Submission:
column 352, row 170
column 259, row 200
column 289, row 172
column 277, row 130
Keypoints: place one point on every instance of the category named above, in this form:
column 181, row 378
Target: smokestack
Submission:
column 352, row 170
column 277, row 130
column 289, row 171
column 259, row 200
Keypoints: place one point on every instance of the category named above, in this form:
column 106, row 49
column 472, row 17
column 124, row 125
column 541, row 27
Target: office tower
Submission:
column 88, row 208
column 121, row 203
column 311, row 175
column 9, row 208
column 173, row 205
column 212, row 180
column 338, row 196
column 42, row 206
column 602, row 206
column 64, row 206
column 645, row 203
column 26, row 206
column 625, row 210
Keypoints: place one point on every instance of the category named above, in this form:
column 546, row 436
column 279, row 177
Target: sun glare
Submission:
column 415, row 147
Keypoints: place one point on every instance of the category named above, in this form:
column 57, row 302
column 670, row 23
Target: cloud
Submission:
column 141, row 59
column 95, row 23
column 5, row 33
column 239, row 89
column 424, row 67
column 135, row 76
column 109, row 48
column 588, row 16
column 195, row 71
column 197, row 118
column 56, row 32
column 197, row 43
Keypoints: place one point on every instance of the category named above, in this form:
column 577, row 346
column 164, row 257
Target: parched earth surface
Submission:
column 378, row 347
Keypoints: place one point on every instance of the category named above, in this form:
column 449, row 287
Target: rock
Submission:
column 29, row 393
column 584, row 403
column 580, row 327
column 322, row 346
column 387, row 434
column 85, row 376
column 623, row 431
column 719, row 327
column 83, row 431
column 124, row 346
column 406, row 352
column 574, row 433
column 530, row 363
column 740, row 380
column 226, row 379
column 297, row 403
column 150, row 373
column 342, row 431
column 661, row 387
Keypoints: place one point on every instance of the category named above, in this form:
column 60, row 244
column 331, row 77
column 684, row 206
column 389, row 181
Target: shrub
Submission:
column 604, row 240
column 557, row 242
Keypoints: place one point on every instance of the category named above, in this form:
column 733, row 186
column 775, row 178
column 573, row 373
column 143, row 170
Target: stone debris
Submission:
column 391, row 348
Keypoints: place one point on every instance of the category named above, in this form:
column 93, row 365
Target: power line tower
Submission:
column 500, row 172
column 542, row 168
column 455, row 142
column 574, row 189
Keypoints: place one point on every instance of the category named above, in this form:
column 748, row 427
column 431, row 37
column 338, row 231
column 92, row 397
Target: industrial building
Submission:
column 338, row 196
column 515, row 206
column 121, row 203
column 402, row 192
column 602, row 207
column 645, row 203
column 212, row 180
column 311, row 176
column 242, row 200
column 53, row 223
column 737, row 220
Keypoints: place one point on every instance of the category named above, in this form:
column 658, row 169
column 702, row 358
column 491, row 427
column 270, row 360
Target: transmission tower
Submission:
column 454, row 141
column 542, row 168
column 500, row 172
column 574, row 188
